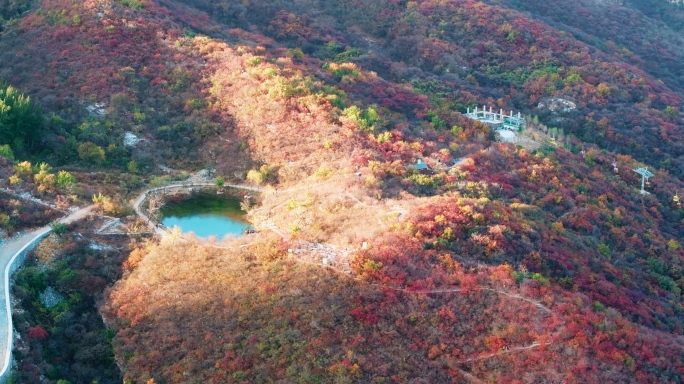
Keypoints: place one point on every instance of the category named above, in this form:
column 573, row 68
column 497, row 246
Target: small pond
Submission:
column 206, row 215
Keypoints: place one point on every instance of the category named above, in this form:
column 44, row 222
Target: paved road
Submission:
column 11, row 249
column 8, row 253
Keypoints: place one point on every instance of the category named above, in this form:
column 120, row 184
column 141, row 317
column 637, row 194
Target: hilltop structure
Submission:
column 497, row 120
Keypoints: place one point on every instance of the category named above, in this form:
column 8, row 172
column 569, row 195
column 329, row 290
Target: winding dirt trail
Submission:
column 468, row 376
column 505, row 351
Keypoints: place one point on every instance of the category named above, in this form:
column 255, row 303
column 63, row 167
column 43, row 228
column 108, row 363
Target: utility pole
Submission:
column 645, row 174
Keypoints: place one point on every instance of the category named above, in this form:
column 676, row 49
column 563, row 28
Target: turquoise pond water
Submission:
column 206, row 215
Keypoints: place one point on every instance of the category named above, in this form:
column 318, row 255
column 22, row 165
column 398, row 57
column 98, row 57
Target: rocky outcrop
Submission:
column 557, row 105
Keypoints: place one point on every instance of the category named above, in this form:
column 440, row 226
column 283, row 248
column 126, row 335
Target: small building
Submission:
column 421, row 167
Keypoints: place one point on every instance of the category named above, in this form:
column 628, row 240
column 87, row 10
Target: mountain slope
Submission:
column 515, row 265
column 509, row 55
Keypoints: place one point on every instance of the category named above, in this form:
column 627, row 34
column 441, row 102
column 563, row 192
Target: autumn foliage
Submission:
column 498, row 264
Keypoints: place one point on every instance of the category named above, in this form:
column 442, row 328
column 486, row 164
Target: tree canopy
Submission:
column 20, row 120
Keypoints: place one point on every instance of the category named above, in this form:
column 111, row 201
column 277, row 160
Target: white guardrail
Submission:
column 16, row 260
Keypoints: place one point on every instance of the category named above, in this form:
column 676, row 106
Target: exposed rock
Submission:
column 131, row 139
column 325, row 254
column 506, row 135
column 201, row 176
column 606, row 3
column 50, row 298
column 556, row 104
column 97, row 109
column 100, row 247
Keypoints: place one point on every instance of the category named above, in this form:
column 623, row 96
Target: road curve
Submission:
column 12, row 249
column 9, row 251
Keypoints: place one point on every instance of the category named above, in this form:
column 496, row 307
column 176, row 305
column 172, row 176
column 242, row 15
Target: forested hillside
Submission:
column 465, row 53
column 513, row 265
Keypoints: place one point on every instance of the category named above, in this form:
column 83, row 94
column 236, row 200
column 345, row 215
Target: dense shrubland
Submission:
column 112, row 87
column 62, row 334
column 559, row 269
column 11, row 10
column 464, row 53
column 18, row 213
